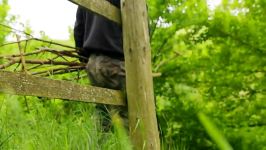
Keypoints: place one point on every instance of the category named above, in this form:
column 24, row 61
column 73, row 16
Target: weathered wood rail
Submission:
column 101, row 7
column 27, row 85
column 143, row 127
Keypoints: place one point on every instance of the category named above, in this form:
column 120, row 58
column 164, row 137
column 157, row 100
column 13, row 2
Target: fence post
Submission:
column 139, row 83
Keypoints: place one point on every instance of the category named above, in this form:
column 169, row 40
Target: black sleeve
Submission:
column 79, row 28
column 115, row 2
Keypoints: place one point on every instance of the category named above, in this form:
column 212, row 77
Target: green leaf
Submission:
column 214, row 133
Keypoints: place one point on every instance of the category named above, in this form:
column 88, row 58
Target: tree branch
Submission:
column 57, row 52
column 10, row 63
column 16, row 30
column 40, row 40
column 42, row 62
column 61, row 72
column 21, row 52
column 54, row 70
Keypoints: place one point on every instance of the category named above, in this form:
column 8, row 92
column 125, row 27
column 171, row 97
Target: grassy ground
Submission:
column 31, row 123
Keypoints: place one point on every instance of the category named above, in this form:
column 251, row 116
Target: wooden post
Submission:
column 141, row 107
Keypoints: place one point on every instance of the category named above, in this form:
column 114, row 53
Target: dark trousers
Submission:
column 106, row 72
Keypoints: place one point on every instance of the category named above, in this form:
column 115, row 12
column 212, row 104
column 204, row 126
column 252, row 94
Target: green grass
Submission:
column 214, row 132
column 30, row 123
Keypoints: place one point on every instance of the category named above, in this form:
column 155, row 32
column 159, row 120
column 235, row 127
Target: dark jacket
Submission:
column 96, row 34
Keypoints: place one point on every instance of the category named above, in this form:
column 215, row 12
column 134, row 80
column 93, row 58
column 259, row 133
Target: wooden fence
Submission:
column 143, row 128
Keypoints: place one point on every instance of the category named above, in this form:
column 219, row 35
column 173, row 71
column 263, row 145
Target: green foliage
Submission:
column 38, row 123
column 4, row 7
column 121, row 132
column 214, row 133
column 212, row 61
column 34, row 123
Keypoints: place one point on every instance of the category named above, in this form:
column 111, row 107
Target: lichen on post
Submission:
column 142, row 116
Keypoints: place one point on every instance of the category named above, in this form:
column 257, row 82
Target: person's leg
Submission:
column 106, row 72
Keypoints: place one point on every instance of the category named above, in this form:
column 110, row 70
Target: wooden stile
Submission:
column 139, row 82
column 143, row 126
column 27, row 85
column 101, row 7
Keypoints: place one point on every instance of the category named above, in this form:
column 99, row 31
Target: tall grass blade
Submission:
column 214, row 133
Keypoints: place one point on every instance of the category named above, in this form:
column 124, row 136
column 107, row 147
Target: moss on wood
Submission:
column 27, row 85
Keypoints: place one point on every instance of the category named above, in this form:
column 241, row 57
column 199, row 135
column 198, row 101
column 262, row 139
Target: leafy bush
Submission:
column 212, row 61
